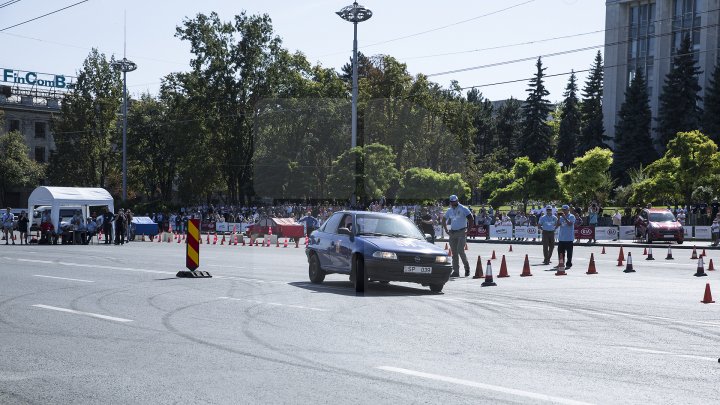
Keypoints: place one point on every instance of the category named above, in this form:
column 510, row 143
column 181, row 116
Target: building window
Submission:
column 641, row 49
column 14, row 125
column 40, row 154
column 40, row 130
column 686, row 22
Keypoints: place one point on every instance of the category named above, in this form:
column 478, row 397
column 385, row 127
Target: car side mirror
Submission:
column 428, row 237
column 344, row 231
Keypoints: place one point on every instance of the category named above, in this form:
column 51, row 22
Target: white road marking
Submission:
column 63, row 278
column 90, row 314
column 273, row 303
column 488, row 387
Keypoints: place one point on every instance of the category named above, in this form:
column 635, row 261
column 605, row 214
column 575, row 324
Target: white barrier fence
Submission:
column 601, row 232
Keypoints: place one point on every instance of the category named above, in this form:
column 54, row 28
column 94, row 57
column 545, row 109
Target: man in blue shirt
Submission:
column 459, row 218
column 566, row 236
column 547, row 224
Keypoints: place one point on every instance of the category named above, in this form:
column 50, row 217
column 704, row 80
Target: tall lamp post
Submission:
column 355, row 14
column 125, row 66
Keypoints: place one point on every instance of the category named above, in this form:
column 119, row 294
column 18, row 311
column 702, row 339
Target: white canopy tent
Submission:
column 57, row 197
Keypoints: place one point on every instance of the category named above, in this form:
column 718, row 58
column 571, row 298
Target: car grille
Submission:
column 667, row 231
column 424, row 259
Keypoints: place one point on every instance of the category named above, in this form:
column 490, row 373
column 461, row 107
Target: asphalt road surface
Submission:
column 112, row 324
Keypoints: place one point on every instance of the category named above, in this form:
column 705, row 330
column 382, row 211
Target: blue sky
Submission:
column 459, row 36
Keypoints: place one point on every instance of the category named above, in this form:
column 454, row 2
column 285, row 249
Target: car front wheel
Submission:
column 436, row 288
column 317, row 275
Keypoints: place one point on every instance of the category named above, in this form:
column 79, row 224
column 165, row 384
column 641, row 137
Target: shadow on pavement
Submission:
column 373, row 289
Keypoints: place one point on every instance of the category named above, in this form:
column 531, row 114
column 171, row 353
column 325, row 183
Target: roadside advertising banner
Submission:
column 606, row 233
column 702, row 232
column 627, row 233
column 527, row 232
column 501, row 231
column 584, row 232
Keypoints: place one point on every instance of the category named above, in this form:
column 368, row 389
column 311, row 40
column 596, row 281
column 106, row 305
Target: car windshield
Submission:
column 661, row 217
column 381, row 225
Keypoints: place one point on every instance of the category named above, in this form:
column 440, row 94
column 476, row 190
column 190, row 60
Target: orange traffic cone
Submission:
column 645, row 252
column 478, row 269
column 466, row 246
column 650, row 255
column 694, row 254
column 703, row 253
column 297, row 243
column 711, row 267
column 159, row 237
column 707, row 299
column 503, row 269
column 629, row 266
column 591, row 266
column 446, row 246
column 526, row 268
column 277, row 242
column 603, row 251
column 307, row 240
column 222, row 242
column 450, row 252
column 561, row 265
column 669, row 255
column 621, row 257
column 208, row 239
column 178, row 240
column 700, row 272
column 489, row 282
column 285, row 243
column 493, row 257
column 510, row 250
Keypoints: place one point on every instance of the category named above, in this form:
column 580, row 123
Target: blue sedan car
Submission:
column 370, row 246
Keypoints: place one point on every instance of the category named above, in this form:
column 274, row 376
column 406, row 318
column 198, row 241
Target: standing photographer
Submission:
column 566, row 235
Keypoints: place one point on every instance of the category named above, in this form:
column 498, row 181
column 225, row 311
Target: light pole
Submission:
column 355, row 14
column 125, row 66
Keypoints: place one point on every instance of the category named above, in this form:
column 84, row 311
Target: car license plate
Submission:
column 669, row 236
column 418, row 269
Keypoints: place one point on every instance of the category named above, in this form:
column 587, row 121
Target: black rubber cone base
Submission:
column 628, row 271
column 193, row 274
column 698, row 274
column 488, row 284
column 650, row 258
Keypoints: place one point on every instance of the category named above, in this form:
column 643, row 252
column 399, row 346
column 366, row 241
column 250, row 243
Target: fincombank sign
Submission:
column 36, row 79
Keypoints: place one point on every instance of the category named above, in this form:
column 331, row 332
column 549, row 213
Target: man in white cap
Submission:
column 548, row 224
column 566, row 235
column 459, row 218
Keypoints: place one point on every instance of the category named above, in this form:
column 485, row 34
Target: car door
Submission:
column 324, row 242
column 344, row 245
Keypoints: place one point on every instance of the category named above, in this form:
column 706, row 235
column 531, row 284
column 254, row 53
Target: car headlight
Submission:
column 442, row 259
column 385, row 255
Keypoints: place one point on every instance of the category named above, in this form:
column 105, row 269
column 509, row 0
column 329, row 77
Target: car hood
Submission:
column 403, row 245
column 665, row 225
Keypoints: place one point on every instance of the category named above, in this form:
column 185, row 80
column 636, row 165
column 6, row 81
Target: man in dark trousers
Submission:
column 120, row 227
column 107, row 225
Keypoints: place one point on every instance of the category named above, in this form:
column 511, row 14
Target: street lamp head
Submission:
column 355, row 13
column 124, row 65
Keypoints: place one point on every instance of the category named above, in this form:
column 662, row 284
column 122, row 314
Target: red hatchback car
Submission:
column 659, row 224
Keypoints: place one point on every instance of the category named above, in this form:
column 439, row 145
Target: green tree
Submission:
column 633, row 143
column 691, row 161
column 508, row 123
column 570, row 122
column 86, row 130
column 679, row 109
column 17, row 168
column 528, row 181
column 589, row 179
column 536, row 140
column 592, row 134
column 423, row 184
column 711, row 116
column 377, row 175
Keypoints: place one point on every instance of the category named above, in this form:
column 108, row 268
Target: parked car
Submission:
column 376, row 247
column 659, row 224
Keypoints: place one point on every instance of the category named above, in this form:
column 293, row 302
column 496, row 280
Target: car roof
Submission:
column 387, row 214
